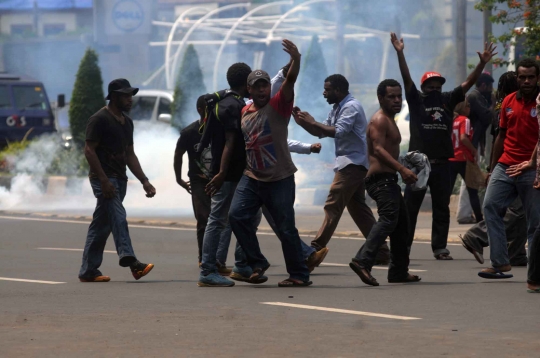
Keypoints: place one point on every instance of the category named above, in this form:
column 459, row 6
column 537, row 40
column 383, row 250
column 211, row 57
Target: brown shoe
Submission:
column 315, row 259
column 95, row 279
column 223, row 270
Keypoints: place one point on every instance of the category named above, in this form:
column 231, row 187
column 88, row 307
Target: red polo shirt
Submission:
column 519, row 119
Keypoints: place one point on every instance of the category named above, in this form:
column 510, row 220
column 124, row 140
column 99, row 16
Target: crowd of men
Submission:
column 240, row 168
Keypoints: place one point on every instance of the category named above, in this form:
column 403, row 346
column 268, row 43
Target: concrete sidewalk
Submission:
column 308, row 222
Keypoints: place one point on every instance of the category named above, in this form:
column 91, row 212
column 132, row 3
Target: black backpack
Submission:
column 212, row 118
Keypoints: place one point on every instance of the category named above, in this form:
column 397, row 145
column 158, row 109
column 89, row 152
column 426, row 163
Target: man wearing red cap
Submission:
column 431, row 121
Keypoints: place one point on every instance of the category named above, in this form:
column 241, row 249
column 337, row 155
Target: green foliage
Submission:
column 189, row 86
column 512, row 13
column 312, row 74
column 87, row 97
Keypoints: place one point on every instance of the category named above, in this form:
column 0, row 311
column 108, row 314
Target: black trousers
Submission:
column 393, row 221
column 460, row 168
column 516, row 233
column 201, row 208
column 440, row 187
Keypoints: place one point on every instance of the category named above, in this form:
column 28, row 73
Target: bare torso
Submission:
column 392, row 139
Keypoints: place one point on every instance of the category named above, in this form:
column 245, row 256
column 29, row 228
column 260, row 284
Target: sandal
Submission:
column 257, row 276
column 292, row 282
column 493, row 273
column 364, row 274
column 409, row 278
column 443, row 257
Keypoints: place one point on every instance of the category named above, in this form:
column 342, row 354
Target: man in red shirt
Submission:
column 514, row 145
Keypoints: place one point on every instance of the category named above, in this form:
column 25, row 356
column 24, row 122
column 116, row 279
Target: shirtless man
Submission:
column 383, row 139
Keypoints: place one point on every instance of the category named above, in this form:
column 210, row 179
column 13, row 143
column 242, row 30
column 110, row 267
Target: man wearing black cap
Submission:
column 269, row 176
column 431, row 119
column 109, row 149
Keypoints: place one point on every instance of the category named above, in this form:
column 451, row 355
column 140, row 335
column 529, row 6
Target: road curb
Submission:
column 191, row 225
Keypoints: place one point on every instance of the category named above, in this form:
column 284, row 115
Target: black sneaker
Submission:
column 138, row 269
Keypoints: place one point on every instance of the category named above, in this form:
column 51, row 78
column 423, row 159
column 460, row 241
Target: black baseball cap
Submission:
column 121, row 85
column 258, row 75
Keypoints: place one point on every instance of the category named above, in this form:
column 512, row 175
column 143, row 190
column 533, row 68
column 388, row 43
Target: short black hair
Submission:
column 507, row 84
column 528, row 63
column 201, row 103
column 484, row 78
column 237, row 74
column 381, row 89
column 338, row 81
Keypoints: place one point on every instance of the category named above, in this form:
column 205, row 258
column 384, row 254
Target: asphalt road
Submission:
column 452, row 312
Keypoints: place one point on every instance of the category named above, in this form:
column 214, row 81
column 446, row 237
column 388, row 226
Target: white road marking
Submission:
column 31, row 281
column 374, row 267
column 185, row 228
column 338, row 310
column 63, row 249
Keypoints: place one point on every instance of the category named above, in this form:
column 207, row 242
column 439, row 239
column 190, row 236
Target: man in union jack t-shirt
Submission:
column 269, row 176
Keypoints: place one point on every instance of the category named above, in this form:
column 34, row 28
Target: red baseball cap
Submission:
column 432, row 74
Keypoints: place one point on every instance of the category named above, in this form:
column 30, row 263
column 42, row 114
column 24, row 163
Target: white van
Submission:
column 152, row 105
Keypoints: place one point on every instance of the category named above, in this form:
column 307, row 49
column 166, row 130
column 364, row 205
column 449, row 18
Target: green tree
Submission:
column 515, row 13
column 312, row 75
column 189, row 86
column 313, row 72
column 87, row 97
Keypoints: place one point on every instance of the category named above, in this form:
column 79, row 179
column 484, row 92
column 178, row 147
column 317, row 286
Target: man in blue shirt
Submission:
column 347, row 124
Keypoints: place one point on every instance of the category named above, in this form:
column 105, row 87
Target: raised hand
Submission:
column 488, row 53
column 398, row 43
column 291, row 49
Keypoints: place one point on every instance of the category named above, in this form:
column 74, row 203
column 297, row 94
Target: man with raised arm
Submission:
column 269, row 176
column 383, row 139
column 431, row 119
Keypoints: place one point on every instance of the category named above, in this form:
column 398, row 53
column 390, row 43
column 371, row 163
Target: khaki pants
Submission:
column 347, row 190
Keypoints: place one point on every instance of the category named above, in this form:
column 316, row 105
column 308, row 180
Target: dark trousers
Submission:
column 515, row 226
column 533, row 272
column 278, row 197
column 393, row 221
column 109, row 217
column 460, row 168
column 439, row 185
column 347, row 191
column 201, row 208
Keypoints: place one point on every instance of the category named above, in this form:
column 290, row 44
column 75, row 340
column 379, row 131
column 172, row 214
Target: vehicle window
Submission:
column 142, row 108
column 29, row 97
column 164, row 106
column 4, row 97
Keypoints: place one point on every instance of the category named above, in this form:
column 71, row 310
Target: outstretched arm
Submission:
column 400, row 46
column 306, row 121
column 485, row 57
column 377, row 135
column 287, row 89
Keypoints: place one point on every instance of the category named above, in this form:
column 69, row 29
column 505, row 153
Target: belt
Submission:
column 380, row 176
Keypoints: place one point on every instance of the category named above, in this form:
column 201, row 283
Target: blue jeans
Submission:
column 501, row 192
column 109, row 216
column 217, row 236
column 278, row 197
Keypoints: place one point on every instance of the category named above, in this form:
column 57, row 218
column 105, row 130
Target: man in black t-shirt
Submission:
column 109, row 149
column 199, row 171
column 431, row 119
column 228, row 164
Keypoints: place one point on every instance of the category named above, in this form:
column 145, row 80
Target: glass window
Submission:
column 22, row 29
column 4, row 97
column 53, row 29
column 29, row 97
column 164, row 106
column 142, row 108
